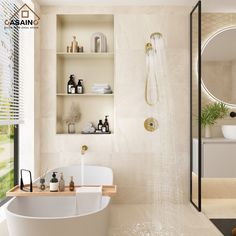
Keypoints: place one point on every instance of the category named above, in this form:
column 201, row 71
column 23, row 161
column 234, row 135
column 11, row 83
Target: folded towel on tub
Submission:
column 88, row 199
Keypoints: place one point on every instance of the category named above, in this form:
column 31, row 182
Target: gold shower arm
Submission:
column 148, row 47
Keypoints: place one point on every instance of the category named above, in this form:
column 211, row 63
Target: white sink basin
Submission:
column 229, row 131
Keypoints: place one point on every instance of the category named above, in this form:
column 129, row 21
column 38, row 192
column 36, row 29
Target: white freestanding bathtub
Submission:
column 57, row 216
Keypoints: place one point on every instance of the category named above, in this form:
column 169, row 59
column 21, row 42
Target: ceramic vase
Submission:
column 71, row 128
column 207, row 131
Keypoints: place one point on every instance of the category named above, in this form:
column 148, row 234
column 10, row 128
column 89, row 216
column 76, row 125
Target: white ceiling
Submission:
column 221, row 47
column 208, row 5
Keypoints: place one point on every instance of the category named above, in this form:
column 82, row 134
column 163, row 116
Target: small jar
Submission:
column 81, row 49
column 42, row 185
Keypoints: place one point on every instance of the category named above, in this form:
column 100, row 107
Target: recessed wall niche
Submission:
column 91, row 67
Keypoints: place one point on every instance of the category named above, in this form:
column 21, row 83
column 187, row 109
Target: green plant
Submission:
column 6, row 183
column 212, row 112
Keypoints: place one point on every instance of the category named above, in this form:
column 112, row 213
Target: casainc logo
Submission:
column 24, row 18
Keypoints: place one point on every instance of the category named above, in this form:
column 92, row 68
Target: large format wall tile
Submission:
column 143, row 162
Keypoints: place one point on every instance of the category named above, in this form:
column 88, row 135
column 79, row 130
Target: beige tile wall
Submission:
column 218, row 73
column 143, row 168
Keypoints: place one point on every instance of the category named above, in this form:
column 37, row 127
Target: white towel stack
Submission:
column 88, row 199
column 101, row 88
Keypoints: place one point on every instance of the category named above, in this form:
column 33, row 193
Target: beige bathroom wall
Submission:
column 37, row 78
column 217, row 77
column 29, row 132
column 135, row 155
column 234, row 80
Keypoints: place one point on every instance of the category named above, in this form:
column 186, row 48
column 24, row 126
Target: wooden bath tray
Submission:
column 107, row 190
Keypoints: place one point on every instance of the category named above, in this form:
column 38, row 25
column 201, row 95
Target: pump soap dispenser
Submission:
column 71, row 85
column 79, row 87
column 54, row 183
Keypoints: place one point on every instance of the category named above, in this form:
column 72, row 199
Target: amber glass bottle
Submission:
column 72, row 184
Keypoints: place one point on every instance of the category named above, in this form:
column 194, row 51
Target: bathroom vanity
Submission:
column 218, row 158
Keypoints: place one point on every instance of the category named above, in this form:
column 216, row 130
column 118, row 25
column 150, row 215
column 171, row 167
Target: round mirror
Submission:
column 219, row 66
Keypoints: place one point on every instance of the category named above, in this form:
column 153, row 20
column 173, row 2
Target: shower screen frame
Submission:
column 195, row 67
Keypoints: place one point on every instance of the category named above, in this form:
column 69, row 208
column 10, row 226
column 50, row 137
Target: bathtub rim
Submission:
column 55, row 217
column 7, row 211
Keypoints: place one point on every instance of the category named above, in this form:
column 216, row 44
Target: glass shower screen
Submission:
column 195, row 106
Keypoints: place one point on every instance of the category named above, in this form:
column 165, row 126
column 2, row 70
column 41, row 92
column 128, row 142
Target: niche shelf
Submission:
column 93, row 68
column 85, row 55
column 86, row 94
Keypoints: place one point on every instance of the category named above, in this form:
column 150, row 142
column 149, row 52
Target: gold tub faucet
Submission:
column 84, row 148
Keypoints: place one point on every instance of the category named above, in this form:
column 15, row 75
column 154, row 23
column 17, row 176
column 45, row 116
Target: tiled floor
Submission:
column 151, row 220
column 3, row 229
column 219, row 208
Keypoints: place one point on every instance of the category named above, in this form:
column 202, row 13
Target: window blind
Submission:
column 11, row 82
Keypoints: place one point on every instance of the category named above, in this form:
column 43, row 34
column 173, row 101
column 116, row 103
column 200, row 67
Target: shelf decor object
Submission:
column 72, row 118
column 74, row 45
column 98, row 42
